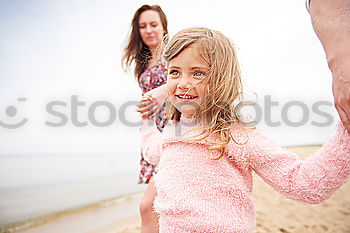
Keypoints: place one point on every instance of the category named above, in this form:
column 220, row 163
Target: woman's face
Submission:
column 151, row 28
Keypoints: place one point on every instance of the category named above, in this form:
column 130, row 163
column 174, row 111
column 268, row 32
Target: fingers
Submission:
column 153, row 111
column 148, row 108
column 144, row 108
column 144, row 103
column 141, row 108
column 150, row 113
column 146, row 98
column 343, row 108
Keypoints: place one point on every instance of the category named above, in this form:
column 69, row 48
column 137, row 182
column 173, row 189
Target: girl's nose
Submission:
column 185, row 84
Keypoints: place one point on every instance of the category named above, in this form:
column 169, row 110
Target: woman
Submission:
column 148, row 28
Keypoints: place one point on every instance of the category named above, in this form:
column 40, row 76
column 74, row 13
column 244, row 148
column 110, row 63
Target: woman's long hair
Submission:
column 136, row 50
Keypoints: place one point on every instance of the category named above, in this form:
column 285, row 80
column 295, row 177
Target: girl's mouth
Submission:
column 186, row 97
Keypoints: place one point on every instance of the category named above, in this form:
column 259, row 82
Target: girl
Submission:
column 148, row 28
column 207, row 155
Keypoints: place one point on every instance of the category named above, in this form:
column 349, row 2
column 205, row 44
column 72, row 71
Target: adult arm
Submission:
column 331, row 22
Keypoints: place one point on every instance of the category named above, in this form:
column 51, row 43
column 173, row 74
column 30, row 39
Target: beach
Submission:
column 275, row 213
column 70, row 133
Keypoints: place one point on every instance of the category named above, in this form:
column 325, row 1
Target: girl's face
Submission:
column 186, row 89
column 151, row 28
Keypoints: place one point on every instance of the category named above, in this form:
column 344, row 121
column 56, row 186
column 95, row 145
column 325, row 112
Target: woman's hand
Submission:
column 152, row 101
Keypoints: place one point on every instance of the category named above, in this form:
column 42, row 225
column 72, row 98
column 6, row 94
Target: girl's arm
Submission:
column 152, row 101
column 150, row 141
column 311, row 180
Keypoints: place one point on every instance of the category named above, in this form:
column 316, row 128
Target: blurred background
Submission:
column 68, row 54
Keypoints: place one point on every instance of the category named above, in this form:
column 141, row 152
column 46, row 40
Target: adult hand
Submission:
column 341, row 90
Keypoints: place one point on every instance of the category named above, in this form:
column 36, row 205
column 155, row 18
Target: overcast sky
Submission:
column 52, row 50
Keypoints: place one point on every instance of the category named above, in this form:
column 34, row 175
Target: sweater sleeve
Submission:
column 312, row 180
column 150, row 142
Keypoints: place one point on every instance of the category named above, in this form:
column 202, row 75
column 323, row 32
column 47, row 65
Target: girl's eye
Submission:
column 173, row 72
column 154, row 25
column 198, row 73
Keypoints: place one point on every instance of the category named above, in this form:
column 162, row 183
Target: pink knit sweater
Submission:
column 197, row 194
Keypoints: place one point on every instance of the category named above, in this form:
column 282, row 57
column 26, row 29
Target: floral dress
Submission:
column 151, row 78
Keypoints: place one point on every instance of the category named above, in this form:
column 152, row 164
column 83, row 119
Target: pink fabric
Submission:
column 151, row 78
column 197, row 194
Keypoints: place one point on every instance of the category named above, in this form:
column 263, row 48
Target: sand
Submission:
column 274, row 213
column 278, row 214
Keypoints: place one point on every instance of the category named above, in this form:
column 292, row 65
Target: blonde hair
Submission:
column 219, row 110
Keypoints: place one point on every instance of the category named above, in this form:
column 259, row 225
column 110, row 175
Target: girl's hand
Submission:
column 147, row 107
column 152, row 101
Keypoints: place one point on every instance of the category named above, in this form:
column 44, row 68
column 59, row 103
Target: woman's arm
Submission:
column 331, row 22
column 312, row 180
